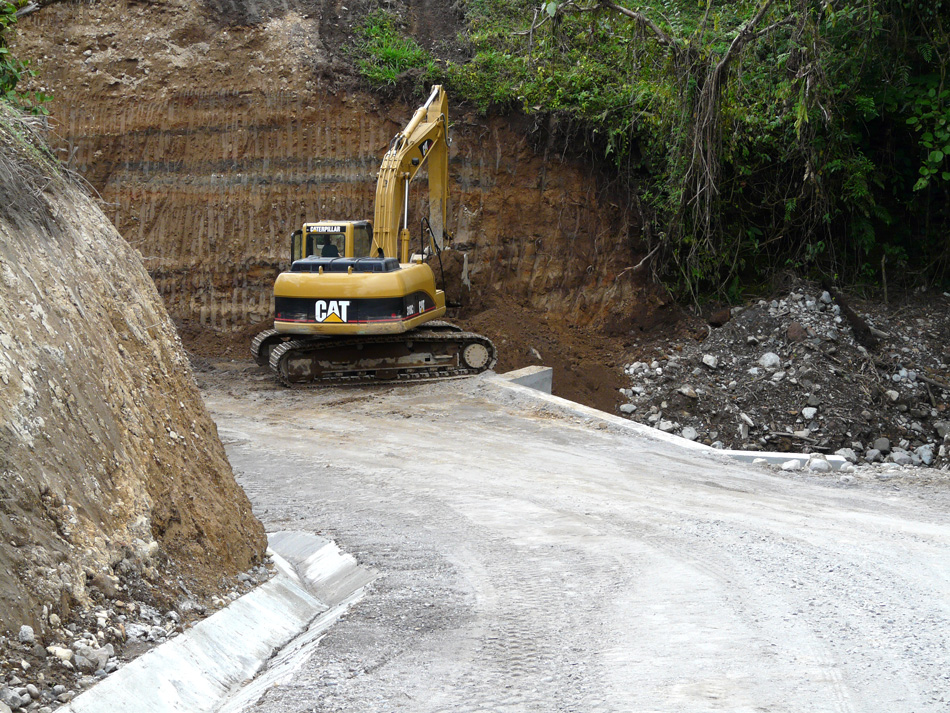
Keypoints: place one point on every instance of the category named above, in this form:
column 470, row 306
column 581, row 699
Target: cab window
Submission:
column 362, row 240
column 326, row 244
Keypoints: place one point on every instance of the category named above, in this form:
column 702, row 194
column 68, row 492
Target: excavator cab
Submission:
column 345, row 238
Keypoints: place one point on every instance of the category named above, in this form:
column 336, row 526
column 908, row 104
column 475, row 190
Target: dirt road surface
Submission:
column 534, row 561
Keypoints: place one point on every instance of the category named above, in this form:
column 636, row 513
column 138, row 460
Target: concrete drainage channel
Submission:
column 536, row 381
column 266, row 633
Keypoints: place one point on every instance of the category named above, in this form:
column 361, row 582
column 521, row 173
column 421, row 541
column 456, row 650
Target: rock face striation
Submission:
column 112, row 476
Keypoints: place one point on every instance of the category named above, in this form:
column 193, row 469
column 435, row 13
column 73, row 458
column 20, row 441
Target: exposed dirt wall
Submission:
column 107, row 454
column 209, row 144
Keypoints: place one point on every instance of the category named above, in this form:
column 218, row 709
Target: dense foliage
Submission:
column 760, row 136
column 12, row 69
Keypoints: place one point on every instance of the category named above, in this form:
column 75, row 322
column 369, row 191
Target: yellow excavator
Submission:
column 357, row 304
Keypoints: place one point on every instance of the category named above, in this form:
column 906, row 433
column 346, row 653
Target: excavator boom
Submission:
column 424, row 141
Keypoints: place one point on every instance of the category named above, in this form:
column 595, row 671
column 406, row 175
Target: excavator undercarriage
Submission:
column 438, row 350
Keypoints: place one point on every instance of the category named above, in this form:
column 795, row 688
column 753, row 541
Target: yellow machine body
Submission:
column 346, row 278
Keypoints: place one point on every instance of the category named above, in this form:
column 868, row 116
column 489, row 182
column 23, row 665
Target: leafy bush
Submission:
column 759, row 135
column 12, row 70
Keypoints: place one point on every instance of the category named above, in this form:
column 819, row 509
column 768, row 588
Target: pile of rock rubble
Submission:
column 809, row 374
column 40, row 675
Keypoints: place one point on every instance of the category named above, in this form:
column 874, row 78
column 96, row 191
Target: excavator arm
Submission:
column 424, row 141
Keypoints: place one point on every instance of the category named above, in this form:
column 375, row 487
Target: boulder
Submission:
column 848, row 454
column 882, row 444
column 795, row 332
column 770, row 360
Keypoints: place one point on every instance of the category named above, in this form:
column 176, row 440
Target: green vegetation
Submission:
column 12, row 69
column 384, row 54
column 756, row 136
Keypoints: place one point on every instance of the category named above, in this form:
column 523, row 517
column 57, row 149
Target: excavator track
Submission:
column 439, row 351
column 264, row 342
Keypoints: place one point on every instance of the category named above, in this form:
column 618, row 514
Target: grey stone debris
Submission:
column 26, row 635
column 809, row 412
column 11, row 698
column 892, row 395
column 711, row 361
column 743, row 431
column 900, row 458
column 136, row 631
column 770, row 360
column 825, row 297
column 813, row 400
column 848, row 454
column 627, row 408
column 882, row 444
column 873, row 455
column 792, row 465
column 760, row 461
column 689, row 433
column 926, row 454
column 689, row 391
column 719, row 445
column 32, row 691
column 819, row 465
column 942, row 428
column 846, row 479
column 745, row 417
column 665, row 426
column 778, row 376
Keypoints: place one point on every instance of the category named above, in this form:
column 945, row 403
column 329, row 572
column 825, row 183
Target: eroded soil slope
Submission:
column 113, row 482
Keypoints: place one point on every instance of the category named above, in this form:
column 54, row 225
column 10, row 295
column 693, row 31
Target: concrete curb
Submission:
column 197, row 671
column 516, row 384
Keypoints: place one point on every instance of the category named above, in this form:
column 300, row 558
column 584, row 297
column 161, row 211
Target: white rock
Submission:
column 759, row 461
column 711, row 361
column 809, row 412
column 819, row 465
column 926, row 454
column 792, row 465
column 892, row 395
column 689, row 433
column 900, row 458
column 770, row 360
column 848, row 454
column 60, row 652
column 825, row 297
column 745, row 417
column 778, row 376
column 665, row 426
column 627, row 408
column 26, row 635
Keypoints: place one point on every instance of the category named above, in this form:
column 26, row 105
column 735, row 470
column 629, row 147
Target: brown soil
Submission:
column 117, row 496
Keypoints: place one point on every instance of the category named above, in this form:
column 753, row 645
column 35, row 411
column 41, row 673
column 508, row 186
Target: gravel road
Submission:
column 531, row 560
